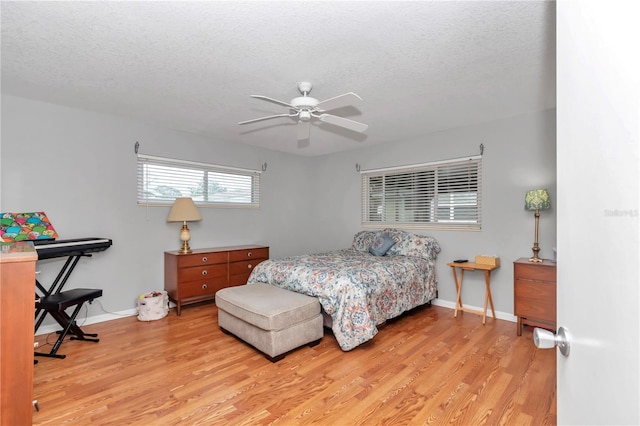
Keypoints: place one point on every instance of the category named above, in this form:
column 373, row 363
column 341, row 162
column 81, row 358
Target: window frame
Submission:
column 409, row 196
column 183, row 169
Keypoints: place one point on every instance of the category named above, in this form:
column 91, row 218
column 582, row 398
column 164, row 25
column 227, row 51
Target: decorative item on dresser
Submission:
column 184, row 210
column 534, row 293
column 536, row 199
column 196, row 276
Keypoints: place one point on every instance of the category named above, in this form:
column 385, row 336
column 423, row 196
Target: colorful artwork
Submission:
column 26, row 226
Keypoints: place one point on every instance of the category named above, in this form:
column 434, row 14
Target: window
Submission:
column 162, row 180
column 440, row 195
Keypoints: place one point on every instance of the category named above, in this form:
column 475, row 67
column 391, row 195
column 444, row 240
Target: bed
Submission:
column 359, row 290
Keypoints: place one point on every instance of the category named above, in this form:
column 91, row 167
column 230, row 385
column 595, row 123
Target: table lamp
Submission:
column 536, row 199
column 183, row 210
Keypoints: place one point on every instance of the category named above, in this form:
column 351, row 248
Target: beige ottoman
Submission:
column 273, row 320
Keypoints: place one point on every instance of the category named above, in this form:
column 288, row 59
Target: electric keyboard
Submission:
column 49, row 249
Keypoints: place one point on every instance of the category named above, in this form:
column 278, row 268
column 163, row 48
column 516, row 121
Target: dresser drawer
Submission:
column 535, row 272
column 247, row 254
column 535, row 299
column 199, row 288
column 240, row 268
column 239, row 271
column 202, row 272
column 187, row 260
column 241, row 279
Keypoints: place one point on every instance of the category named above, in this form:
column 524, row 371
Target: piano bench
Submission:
column 56, row 305
column 65, row 299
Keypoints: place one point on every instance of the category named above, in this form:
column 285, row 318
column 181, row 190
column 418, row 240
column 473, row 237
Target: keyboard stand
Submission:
column 56, row 287
column 53, row 300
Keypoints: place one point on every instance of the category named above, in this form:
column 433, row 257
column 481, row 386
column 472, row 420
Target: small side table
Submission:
column 472, row 266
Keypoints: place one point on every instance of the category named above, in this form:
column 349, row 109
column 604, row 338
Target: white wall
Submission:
column 519, row 154
column 80, row 168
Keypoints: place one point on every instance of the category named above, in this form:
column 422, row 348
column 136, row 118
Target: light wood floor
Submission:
column 424, row 368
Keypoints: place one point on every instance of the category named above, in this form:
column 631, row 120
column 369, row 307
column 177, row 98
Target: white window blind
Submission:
column 439, row 195
column 162, row 180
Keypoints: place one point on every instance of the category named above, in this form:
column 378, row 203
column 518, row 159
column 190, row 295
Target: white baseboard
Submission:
column 499, row 315
column 107, row 316
column 52, row 328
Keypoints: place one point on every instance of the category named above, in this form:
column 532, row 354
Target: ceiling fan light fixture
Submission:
column 304, row 115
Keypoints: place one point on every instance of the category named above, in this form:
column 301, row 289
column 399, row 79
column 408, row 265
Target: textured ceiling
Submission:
column 420, row 67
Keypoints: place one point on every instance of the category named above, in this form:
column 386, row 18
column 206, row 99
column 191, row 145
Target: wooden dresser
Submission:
column 194, row 277
column 17, row 281
column 534, row 293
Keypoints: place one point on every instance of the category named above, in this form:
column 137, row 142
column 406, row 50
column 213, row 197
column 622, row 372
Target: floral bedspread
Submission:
column 358, row 290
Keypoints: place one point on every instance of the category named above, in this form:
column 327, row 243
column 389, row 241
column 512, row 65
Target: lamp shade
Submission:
column 537, row 199
column 183, row 210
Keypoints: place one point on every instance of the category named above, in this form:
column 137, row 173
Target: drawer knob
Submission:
column 249, row 254
column 204, row 258
column 204, row 286
column 249, row 266
column 204, row 272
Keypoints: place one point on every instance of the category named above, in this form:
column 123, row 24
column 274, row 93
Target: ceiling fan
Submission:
column 306, row 108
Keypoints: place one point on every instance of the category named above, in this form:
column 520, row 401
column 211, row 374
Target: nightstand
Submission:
column 534, row 294
column 196, row 276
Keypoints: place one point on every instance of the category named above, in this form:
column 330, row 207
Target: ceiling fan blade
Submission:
column 339, row 101
column 274, row 101
column 343, row 122
column 304, row 130
column 266, row 118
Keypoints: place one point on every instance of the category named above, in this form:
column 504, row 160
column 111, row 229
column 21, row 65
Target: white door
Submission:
column 598, row 123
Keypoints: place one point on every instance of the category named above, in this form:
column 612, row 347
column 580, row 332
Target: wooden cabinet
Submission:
column 194, row 277
column 17, row 286
column 534, row 294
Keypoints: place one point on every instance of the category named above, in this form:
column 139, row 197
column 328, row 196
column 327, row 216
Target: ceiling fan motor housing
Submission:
column 304, row 103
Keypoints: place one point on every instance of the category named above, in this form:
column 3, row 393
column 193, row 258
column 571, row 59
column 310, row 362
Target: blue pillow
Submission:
column 381, row 244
